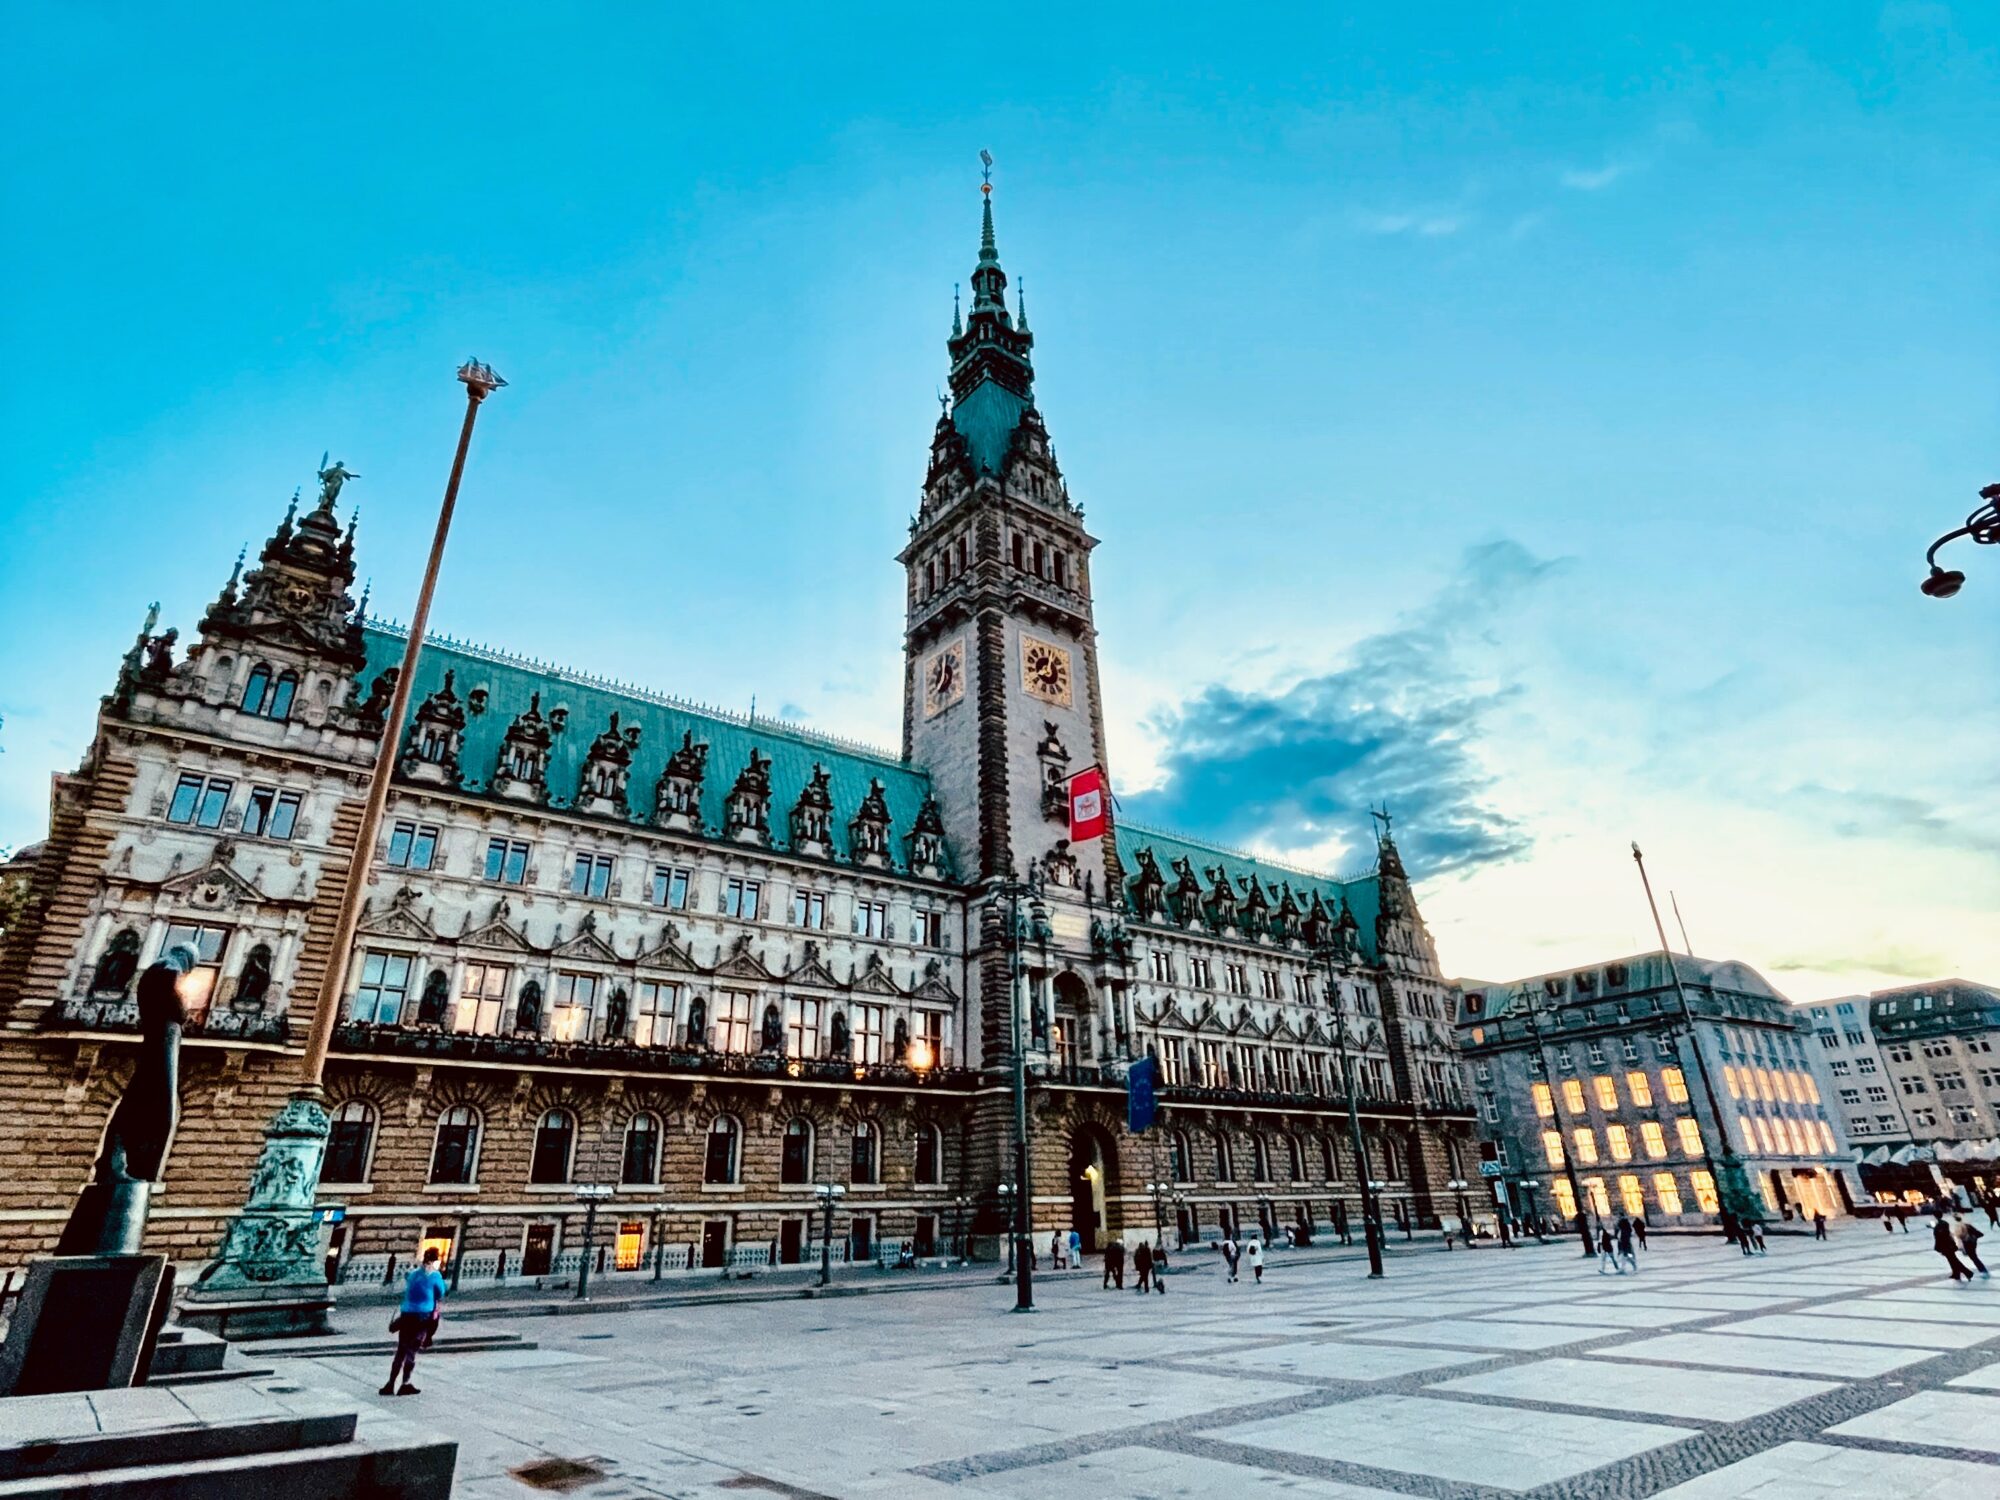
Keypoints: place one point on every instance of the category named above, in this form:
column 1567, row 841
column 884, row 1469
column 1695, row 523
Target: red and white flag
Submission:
column 1086, row 805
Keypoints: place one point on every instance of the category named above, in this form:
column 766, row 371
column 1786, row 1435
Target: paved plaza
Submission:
column 1851, row 1367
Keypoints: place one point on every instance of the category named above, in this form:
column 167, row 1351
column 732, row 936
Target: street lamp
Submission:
column 828, row 1193
column 1006, row 1192
column 1371, row 1229
column 589, row 1194
column 1158, row 1190
column 1983, row 525
column 1024, row 1284
column 1457, row 1187
column 1531, row 1012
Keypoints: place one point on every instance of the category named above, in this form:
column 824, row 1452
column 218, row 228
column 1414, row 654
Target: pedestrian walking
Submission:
column 1754, row 1239
column 1075, row 1248
column 1946, row 1244
column 1254, row 1253
column 1624, row 1242
column 1229, row 1255
column 423, row 1290
column 1056, row 1261
column 1968, row 1244
column 1991, row 1203
column 1142, row 1264
column 1819, row 1224
column 1607, row 1256
column 1114, row 1264
column 1639, row 1229
column 1160, row 1269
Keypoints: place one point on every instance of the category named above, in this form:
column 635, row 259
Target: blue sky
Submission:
column 1534, row 418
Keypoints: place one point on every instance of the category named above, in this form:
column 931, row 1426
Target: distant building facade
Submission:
column 1593, row 1069
column 616, row 939
column 1916, row 1069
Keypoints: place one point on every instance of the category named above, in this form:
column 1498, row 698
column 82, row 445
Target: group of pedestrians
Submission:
column 1618, row 1246
column 1149, row 1266
column 1957, row 1240
column 1236, row 1253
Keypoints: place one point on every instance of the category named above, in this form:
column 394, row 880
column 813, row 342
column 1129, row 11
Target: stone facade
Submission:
column 1594, row 1069
column 616, row 939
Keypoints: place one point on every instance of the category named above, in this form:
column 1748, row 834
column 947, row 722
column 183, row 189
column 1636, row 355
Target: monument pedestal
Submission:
column 85, row 1323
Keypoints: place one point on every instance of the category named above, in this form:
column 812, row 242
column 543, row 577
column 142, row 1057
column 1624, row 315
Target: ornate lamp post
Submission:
column 1158, row 1190
column 1983, row 525
column 589, row 1194
column 829, row 1193
column 269, row 1254
column 1457, row 1187
column 1371, row 1226
column 1024, row 1282
column 1532, row 1014
column 1006, row 1191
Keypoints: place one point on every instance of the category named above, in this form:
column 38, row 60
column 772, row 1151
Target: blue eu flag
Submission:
column 1140, row 1082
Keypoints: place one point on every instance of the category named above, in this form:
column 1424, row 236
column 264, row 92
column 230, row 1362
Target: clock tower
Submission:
column 1001, row 696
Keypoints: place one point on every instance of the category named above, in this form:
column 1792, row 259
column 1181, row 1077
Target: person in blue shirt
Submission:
column 423, row 1290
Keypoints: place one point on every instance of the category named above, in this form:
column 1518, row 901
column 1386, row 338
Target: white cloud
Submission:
column 1594, row 179
column 1429, row 224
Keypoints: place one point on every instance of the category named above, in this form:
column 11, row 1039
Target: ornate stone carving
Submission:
column 812, row 815
column 522, row 774
column 746, row 814
column 868, row 833
column 600, row 786
column 437, row 730
column 677, row 800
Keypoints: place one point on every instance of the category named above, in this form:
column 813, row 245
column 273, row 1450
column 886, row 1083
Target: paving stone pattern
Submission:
column 1848, row 1368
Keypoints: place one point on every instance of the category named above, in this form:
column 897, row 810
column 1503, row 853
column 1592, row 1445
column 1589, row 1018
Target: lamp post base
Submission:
column 268, row 1278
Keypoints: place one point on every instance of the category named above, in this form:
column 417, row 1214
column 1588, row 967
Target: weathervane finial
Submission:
column 985, row 171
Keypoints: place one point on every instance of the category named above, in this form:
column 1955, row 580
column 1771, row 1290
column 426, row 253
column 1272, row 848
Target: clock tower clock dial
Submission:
column 944, row 678
column 1045, row 671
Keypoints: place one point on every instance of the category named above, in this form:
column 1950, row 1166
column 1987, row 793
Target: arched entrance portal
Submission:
column 1093, row 1186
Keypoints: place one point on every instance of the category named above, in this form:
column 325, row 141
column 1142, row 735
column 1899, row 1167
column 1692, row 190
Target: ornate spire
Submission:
column 992, row 374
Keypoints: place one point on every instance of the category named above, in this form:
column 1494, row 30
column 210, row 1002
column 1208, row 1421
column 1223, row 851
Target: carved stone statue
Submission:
column 331, row 479
column 110, row 1215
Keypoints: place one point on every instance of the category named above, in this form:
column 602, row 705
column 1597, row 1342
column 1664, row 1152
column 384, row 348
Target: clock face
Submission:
column 1045, row 671
column 944, row 677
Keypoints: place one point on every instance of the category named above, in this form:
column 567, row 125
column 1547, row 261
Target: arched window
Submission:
column 1260, row 1158
column 865, row 1160
column 1326, row 1158
column 1183, row 1154
column 795, row 1167
column 1295, row 1155
column 455, row 1157
column 1454, row 1158
column 930, row 1156
column 113, row 975
column 257, row 689
column 282, row 693
column 553, row 1139
column 1223, row 1172
column 254, row 983
column 347, row 1143
column 720, row 1164
column 642, row 1151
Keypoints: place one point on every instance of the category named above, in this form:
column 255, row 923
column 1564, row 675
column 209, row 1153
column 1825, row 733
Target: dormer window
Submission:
column 269, row 698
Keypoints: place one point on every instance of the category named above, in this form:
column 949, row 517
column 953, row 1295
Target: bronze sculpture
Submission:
column 110, row 1214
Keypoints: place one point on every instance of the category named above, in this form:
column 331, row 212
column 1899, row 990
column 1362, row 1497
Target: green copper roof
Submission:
column 1361, row 894
column 986, row 419
column 510, row 681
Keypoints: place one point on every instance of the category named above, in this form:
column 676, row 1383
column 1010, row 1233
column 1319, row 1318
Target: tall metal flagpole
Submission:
column 267, row 1277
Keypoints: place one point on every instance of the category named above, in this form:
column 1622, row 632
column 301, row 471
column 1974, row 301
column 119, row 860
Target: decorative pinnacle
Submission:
column 956, row 326
column 480, row 379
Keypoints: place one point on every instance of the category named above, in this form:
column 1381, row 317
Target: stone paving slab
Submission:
column 1842, row 1325
column 1341, row 1361
column 1642, row 1390
column 1815, row 1471
column 1480, row 1334
column 1987, row 1379
column 1780, row 1356
column 1936, row 1419
column 1149, row 1474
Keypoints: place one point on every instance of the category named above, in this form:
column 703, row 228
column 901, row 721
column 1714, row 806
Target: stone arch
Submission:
column 1094, row 1185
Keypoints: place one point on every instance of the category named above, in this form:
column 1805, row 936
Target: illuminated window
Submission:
column 732, row 1022
column 1552, row 1147
column 1607, row 1092
column 1810, row 1088
column 1565, row 1199
column 1704, row 1191
column 1826, row 1137
column 1729, row 1081
column 575, row 1003
column 1668, row 1191
column 1585, row 1140
column 1654, row 1139
column 1545, row 1101
column 1764, row 1089
column 1619, row 1139
column 1676, row 1083
column 1631, row 1195
column 1689, row 1135
column 1640, row 1087
column 1600, row 1200
column 1573, row 1095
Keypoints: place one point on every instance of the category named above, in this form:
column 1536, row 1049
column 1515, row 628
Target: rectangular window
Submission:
column 1201, row 973
column 1274, row 984
column 1864, row 1065
column 1545, row 1101
column 742, row 898
column 1653, row 1138
column 1573, row 1095
column 1631, row 1197
column 1600, row 1201
column 1607, row 1092
column 929, row 929
column 1238, row 979
column 1667, row 1191
column 270, row 813
column 655, row 1005
column 573, row 1003
column 200, row 800
column 1595, row 1052
column 1640, row 1087
column 1565, row 1199
column 1302, row 988
column 931, row 1033
column 1619, row 1139
column 670, row 887
column 732, row 1021
column 1704, row 1191
column 1676, row 1085
column 1838, row 1067
column 385, row 984
column 1584, row 1140
column 1163, row 966
column 1173, row 1060
column 1688, row 1134
column 808, row 909
column 590, row 875
column 1552, row 1147
column 507, row 861
column 412, row 846
column 482, row 997
column 209, row 944
column 1211, row 1065
column 867, row 1033
column 871, row 918
column 802, row 1027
